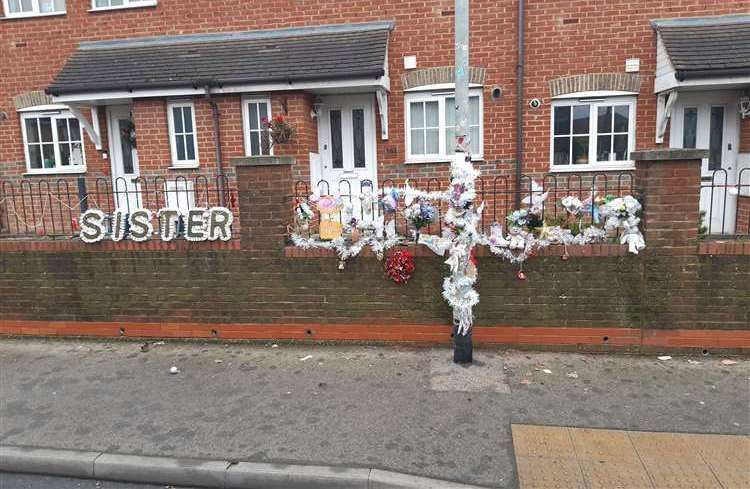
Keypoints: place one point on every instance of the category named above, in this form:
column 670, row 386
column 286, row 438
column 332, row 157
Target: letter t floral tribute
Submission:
column 526, row 231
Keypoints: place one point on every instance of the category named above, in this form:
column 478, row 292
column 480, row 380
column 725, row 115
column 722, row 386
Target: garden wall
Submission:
column 678, row 293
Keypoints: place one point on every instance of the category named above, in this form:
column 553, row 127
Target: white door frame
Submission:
column 131, row 199
column 718, row 203
column 346, row 103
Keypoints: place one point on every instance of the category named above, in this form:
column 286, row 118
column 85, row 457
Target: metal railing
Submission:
column 51, row 208
column 497, row 193
column 725, row 203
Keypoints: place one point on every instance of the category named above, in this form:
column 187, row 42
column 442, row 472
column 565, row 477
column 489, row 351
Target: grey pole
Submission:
column 462, row 77
column 462, row 345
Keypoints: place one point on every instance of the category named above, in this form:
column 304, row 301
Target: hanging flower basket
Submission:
column 279, row 130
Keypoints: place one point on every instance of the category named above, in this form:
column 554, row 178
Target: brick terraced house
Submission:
column 132, row 94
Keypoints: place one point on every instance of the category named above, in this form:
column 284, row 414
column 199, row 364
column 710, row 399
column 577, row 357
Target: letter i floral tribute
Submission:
column 527, row 232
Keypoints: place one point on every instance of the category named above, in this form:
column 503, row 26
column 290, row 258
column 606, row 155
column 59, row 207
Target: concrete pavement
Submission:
column 396, row 408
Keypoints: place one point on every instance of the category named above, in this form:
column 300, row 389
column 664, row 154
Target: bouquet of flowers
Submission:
column 621, row 207
column 518, row 219
column 304, row 214
column 389, row 200
column 420, row 214
column 572, row 204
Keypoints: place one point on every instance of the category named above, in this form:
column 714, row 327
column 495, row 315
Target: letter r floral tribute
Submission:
column 527, row 232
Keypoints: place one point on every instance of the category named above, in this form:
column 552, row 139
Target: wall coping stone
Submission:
column 262, row 161
column 671, row 154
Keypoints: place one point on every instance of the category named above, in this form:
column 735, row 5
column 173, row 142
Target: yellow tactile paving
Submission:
column 549, row 473
column 665, row 447
column 542, row 441
column 558, row 457
column 603, row 445
column 614, row 475
column 732, row 477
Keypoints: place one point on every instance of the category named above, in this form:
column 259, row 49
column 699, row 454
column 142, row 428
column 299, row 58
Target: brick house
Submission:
column 113, row 90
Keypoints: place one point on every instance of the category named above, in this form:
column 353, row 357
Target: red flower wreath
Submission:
column 399, row 266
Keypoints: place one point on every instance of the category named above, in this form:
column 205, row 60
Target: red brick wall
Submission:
column 743, row 215
column 745, row 135
column 666, row 287
column 563, row 37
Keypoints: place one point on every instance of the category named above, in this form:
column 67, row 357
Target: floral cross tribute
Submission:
column 527, row 232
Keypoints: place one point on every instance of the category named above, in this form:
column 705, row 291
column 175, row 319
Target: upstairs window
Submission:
column 30, row 8
column 182, row 134
column 592, row 134
column 431, row 123
column 118, row 4
column 53, row 143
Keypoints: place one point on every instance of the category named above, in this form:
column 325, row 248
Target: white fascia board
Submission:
column 715, row 83
column 374, row 84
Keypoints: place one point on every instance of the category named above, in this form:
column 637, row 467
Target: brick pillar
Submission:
column 264, row 186
column 667, row 182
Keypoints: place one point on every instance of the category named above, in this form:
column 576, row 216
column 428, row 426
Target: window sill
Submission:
column 31, row 16
column 621, row 166
column 191, row 166
column 55, row 171
column 438, row 159
column 124, row 7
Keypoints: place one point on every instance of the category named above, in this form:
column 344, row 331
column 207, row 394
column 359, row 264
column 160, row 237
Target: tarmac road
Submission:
column 396, row 408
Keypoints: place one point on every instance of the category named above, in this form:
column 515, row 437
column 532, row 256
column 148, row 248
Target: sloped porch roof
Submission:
column 228, row 62
column 704, row 51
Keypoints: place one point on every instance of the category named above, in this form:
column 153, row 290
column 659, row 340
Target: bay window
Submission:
column 591, row 134
column 53, row 143
column 430, row 125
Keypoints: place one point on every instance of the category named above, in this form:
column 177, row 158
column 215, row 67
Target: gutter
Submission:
column 682, row 75
column 519, row 100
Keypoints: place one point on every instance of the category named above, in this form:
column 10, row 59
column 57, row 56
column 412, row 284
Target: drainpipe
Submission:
column 217, row 144
column 519, row 100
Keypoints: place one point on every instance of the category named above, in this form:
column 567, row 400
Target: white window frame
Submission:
column 246, row 121
column 594, row 102
column 440, row 97
column 172, row 133
column 126, row 4
column 54, row 116
column 36, row 11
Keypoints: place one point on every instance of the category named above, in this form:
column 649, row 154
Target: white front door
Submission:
column 347, row 145
column 124, row 157
column 710, row 120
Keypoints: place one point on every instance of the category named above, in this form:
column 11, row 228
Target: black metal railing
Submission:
column 51, row 208
column 725, row 203
column 497, row 193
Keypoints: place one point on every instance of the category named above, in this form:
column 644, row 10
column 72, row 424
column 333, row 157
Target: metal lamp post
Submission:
column 462, row 344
